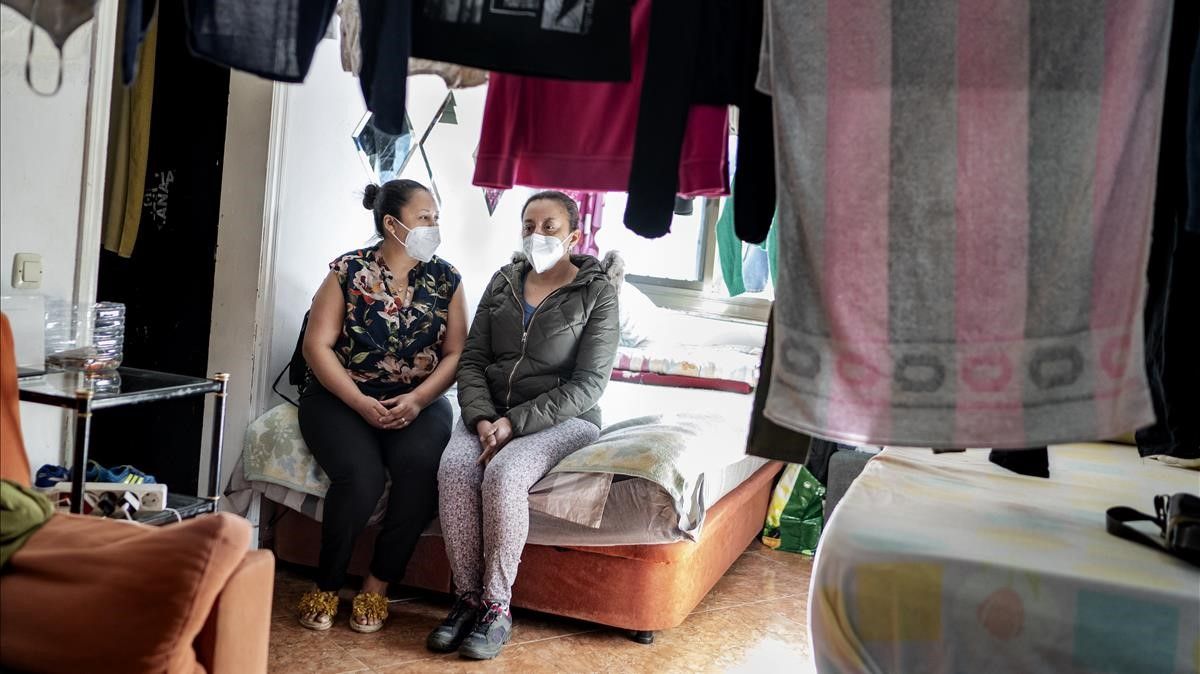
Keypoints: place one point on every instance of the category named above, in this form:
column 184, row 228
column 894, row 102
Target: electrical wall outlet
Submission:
column 27, row 271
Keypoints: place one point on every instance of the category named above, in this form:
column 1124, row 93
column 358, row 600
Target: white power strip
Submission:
column 152, row 496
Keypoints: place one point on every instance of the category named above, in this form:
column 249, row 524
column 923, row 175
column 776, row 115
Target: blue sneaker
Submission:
column 97, row 473
column 129, row 475
column 119, row 475
column 50, row 475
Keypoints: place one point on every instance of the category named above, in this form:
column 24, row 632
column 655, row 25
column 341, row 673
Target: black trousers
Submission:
column 358, row 458
column 1034, row 461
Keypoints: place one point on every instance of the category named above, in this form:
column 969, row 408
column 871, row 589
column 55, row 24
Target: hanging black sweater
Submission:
column 702, row 51
column 573, row 39
column 275, row 39
column 564, row 39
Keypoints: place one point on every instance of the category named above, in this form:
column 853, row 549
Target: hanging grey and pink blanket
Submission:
column 966, row 191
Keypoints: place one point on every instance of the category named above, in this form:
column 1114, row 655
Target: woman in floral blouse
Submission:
column 383, row 341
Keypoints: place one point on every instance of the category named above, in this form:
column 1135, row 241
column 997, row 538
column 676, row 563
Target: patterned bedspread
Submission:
column 948, row 563
column 275, row 452
column 706, row 362
column 672, row 450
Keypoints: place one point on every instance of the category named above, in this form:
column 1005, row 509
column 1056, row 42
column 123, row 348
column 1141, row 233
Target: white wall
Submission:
column 320, row 210
column 41, row 169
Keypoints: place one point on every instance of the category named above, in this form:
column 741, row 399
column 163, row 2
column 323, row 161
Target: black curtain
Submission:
column 1173, row 292
column 167, row 285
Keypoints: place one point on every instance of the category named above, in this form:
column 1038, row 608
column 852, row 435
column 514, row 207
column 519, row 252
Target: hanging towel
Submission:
column 564, row 39
column 965, row 199
column 275, row 39
column 528, row 139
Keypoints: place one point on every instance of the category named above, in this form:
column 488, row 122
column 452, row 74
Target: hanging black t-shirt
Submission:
column 564, row 39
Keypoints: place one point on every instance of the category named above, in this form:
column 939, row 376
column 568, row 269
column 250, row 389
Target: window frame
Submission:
column 701, row 297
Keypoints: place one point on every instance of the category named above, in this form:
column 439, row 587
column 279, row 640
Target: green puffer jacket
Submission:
column 558, row 368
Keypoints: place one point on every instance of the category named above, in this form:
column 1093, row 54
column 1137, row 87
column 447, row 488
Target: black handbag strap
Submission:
column 1117, row 523
column 275, row 386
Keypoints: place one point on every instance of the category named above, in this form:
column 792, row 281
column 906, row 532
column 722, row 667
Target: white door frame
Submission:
column 243, row 297
column 95, row 155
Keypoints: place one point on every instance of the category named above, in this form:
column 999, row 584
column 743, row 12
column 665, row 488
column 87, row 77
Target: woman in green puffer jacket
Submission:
column 536, row 361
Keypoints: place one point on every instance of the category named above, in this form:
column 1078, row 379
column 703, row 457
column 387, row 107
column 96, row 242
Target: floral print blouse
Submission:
column 387, row 345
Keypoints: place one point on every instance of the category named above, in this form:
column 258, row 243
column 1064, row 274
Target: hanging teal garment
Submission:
column 772, row 245
column 729, row 250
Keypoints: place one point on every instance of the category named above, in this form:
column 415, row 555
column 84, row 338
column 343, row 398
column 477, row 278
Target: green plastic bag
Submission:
column 795, row 517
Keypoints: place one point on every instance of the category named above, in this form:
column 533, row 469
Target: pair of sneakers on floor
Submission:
column 50, row 475
column 475, row 629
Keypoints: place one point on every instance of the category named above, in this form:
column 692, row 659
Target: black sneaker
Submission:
column 454, row 628
column 491, row 632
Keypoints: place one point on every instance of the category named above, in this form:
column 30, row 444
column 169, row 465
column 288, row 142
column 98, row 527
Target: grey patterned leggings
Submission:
column 485, row 512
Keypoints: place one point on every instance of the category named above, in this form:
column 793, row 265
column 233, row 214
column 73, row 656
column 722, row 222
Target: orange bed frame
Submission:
column 644, row 588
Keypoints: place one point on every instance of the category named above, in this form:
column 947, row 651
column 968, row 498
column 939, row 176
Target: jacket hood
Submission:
column 611, row 266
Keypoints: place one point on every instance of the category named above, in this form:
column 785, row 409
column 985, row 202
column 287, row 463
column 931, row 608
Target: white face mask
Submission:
column 543, row 251
column 421, row 243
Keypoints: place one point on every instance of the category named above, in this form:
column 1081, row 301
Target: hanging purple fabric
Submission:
column 591, row 210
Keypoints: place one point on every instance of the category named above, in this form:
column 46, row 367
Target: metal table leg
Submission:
column 218, row 437
column 83, row 428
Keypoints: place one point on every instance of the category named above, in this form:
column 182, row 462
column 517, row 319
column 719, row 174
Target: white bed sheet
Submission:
column 948, row 563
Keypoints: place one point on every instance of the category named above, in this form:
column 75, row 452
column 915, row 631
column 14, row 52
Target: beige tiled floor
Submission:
column 753, row 621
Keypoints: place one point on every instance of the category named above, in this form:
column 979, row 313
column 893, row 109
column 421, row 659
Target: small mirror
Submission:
column 383, row 154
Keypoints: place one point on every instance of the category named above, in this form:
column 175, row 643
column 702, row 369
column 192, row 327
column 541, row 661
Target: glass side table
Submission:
column 85, row 394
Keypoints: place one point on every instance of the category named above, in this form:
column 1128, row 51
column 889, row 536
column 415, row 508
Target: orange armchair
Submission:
column 86, row 594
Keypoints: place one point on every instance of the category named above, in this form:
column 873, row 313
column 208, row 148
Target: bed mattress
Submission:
column 948, row 563
column 636, row 511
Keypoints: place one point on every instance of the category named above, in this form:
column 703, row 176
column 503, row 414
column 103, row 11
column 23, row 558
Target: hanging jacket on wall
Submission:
column 275, row 39
column 702, row 52
column 564, row 39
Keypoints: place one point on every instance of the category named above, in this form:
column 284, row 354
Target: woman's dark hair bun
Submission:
column 389, row 198
column 370, row 196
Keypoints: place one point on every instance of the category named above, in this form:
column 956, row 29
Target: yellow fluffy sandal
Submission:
column 317, row 609
column 370, row 610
